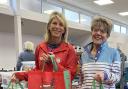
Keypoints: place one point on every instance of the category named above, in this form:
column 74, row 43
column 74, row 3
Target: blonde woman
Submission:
column 55, row 43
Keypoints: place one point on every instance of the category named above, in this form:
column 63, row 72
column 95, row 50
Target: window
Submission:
column 4, row 2
column 116, row 28
column 123, row 30
column 71, row 15
column 84, row 19
column 33, row 5
column 49, row 8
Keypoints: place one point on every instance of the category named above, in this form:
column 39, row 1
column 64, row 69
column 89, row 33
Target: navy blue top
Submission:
column 27, row 55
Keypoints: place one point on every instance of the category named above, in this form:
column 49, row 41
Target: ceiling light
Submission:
column 3, row 1
column 48, row 11
column 103, row 2
column 123, row 13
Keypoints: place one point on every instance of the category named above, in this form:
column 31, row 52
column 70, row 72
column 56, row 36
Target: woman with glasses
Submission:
column 100, row 64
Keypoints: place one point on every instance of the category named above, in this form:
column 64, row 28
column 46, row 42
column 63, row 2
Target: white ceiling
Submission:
column 110, row 11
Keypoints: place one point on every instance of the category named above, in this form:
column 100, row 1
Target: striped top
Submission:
column 107, row 60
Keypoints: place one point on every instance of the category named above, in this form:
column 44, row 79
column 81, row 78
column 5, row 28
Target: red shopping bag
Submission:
column 34, row 80
column 49, row 80
column 59, row 80
column 62, row 80
column 40, row 80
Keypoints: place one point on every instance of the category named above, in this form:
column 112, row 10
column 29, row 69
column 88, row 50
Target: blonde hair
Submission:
column 29, row 46
column 102, row 21
column 63, row 20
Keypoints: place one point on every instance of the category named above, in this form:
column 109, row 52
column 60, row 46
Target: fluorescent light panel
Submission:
column 48, row 11
column 3, row 1
column 103, row 2
column 123, row 13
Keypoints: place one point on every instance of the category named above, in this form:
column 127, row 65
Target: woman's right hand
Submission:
column 44, row 57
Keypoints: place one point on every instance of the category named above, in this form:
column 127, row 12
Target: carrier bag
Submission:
column 49, row 80
column 40, row 80
column 35, row 80
column 62, row 80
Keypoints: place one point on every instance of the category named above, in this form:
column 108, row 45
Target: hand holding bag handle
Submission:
column 55, row 67
column 47, row 79
column 43, row 78
column 66, row 73
column 94, row 85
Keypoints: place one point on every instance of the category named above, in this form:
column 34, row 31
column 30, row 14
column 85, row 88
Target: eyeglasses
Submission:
column 101, row 30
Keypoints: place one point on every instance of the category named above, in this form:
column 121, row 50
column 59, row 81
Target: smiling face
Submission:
column 100, row 30
column 56, row 28
column 99, row 35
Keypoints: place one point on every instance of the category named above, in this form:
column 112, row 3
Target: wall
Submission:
column 33, row 38
column 7, row 48
column 118, row 40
